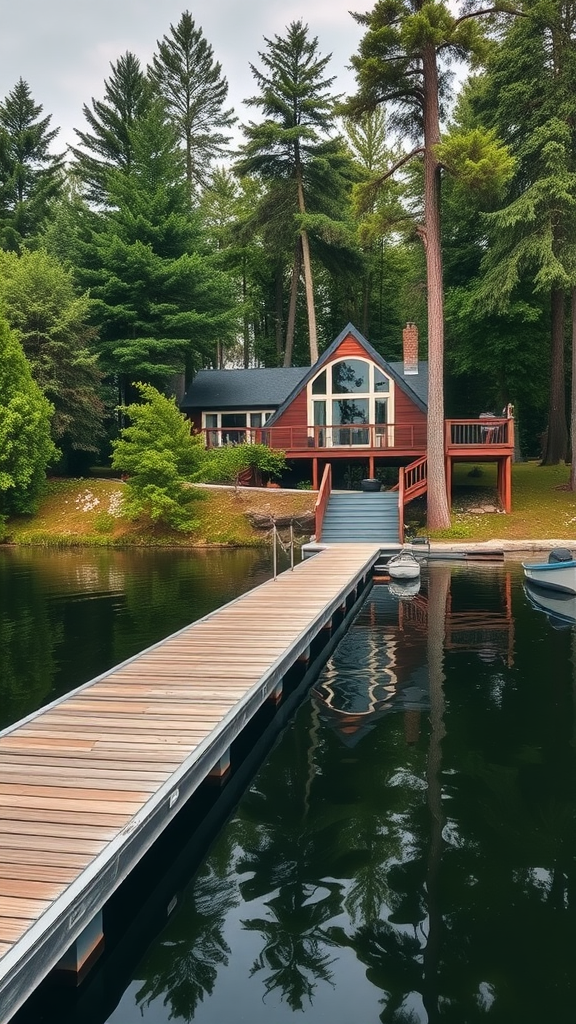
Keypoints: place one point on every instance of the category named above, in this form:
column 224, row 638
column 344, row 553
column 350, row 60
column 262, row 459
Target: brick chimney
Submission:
column 410, row 347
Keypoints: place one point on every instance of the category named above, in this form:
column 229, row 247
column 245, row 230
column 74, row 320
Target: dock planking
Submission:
column 89, row 782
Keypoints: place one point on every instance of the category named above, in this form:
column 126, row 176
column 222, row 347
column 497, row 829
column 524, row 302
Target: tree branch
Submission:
column 398, row 165
column 488, row 10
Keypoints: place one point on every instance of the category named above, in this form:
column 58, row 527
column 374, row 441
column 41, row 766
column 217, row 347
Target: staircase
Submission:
column 361, row 517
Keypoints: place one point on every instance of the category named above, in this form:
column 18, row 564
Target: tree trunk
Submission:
column 573, row 399
column 438, row 511
column 279, row 312
column 246, row 324
column 292, row 306
column 308, row 283
column 557, row 434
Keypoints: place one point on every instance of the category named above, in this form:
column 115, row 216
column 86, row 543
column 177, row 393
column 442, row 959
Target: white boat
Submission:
column 403, row 566
column 404, row 590
column 559, row 573
column 559, row 606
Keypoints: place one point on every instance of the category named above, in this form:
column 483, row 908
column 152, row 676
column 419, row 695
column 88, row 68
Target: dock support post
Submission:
column 221, row 768
column 275, row 695
column 305, row 656
column 314, row 474
column 73, row 967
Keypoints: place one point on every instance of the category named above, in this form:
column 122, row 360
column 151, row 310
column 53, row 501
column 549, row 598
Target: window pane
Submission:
column 349, row 376
column 319, row 385
column 381, row 410
column 381, row 383
column 255, row 419
column 211, row 419
column 350, row 411
column 319, row 414
column 233, row 419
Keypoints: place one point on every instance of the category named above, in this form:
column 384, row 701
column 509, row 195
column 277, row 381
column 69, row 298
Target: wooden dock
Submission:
column 89, row 782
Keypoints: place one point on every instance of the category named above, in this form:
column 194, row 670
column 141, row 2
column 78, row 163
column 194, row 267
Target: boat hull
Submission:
column 403, row 566
column 559, row 576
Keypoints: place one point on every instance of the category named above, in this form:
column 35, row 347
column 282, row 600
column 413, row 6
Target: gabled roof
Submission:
column 415, row 385
column 243, row 389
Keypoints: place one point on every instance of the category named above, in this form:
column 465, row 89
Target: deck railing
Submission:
column 487, row 430
column 322, row 500
column 408, row 436
column 389, row 437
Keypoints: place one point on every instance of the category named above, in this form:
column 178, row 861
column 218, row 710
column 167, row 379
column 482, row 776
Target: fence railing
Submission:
column 486, row 430
column 322, row 500
column 391, row 437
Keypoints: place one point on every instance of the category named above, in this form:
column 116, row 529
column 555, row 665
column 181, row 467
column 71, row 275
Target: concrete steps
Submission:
column 361, row 517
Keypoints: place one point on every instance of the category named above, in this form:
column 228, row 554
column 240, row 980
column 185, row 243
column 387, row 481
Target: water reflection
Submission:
column 407, row 853
column 66, row 616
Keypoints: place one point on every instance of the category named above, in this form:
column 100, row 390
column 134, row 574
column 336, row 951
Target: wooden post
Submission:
column 449, row 480
column 314, row 474
column 275, row 695
column 222, row 767
column 371, row 470
column 508, row 483
column 73, row 967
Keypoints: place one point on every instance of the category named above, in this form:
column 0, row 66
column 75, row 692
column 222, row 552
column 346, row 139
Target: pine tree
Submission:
column 160, row 300
column 298, row 110
column 403, row 62
column 107, row 145
column 30, row 175
column 195, row 91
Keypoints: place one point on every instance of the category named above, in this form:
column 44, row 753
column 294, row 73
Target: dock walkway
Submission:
column 89, row 782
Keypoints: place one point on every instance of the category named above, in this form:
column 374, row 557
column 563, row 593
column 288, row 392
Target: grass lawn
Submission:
column 542, row 507
column 89, row 511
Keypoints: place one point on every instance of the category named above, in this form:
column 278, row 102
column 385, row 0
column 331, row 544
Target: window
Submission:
column 351, row 404
column 233, row 427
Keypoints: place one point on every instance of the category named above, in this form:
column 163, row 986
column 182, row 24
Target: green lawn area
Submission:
column 542, row 507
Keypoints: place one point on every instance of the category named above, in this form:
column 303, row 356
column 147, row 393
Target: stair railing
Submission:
column 322, row 500
column 401, row 486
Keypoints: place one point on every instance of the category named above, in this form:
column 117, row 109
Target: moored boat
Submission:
column 558, row 573
column 403, row 566
column 559, row 606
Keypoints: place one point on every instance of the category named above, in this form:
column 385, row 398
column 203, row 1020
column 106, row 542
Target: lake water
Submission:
column 407, row 851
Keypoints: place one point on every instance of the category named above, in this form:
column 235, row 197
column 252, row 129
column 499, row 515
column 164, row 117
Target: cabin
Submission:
column 351, row 415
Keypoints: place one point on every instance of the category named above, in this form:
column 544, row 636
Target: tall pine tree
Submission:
column 31, row 176
column 195, row 91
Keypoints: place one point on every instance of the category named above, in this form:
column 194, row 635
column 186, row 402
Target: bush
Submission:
column 227, row 464
column 160, row 456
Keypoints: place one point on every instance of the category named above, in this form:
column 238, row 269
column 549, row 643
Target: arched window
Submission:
column 350, row 403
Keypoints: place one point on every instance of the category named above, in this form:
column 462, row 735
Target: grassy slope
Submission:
column 87, row 511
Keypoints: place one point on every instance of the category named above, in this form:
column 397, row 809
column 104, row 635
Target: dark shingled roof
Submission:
column 242, row 389
column 416, row 382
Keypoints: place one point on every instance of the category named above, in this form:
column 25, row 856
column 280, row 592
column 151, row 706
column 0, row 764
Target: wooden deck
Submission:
column 88, row 783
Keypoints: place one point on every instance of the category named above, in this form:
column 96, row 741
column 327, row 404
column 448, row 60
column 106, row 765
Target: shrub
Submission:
column 160, row 456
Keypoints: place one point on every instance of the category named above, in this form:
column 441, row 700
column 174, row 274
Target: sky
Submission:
column 63, row 48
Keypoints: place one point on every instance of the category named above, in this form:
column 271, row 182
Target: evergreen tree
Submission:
column 159, row 299
column 298, row 112
column 26, row 448
column 195, row 91
column 403, row 62
column 160, row 455
column 107, row 145
column 53, row 325
column 30, row 175
column 534, row 69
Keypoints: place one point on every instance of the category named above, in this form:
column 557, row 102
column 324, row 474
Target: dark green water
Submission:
column 407, row 852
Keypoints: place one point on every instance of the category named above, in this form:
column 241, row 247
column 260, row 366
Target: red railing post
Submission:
column 322, row 500
column 401, row 475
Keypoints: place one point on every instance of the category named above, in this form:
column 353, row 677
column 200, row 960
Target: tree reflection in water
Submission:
column 424, row 842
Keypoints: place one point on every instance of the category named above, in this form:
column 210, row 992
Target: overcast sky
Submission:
column 63, row 48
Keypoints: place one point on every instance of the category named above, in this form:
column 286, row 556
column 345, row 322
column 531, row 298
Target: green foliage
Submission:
column 40, row 302
column 30, row 175
column 226, row 464
column 191, row 82
column 160, row 456
column 159, row 298
column 26, row 448
column 478, row 159
column 107, row 145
